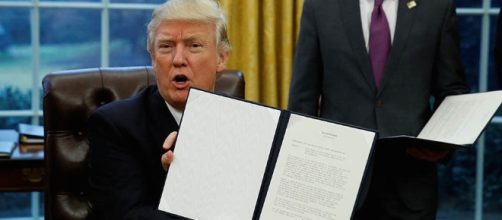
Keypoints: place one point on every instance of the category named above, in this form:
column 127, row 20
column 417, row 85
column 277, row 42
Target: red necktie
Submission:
column 379, row 41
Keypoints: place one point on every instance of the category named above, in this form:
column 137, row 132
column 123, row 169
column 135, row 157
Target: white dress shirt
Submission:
column 390, row 9
column 175, row 112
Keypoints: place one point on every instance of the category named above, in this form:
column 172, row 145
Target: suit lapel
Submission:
column 404, row 23
column 161, row 120
column 351, row 15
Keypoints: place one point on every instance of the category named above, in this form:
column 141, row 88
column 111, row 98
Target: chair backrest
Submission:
column 69, row 99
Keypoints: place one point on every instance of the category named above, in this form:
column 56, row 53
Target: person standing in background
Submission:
column 376, row 64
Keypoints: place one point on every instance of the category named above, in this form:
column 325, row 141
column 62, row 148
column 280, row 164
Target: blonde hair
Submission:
column 206, row 11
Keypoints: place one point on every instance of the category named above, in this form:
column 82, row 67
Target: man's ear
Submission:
column 222, row 61
column 152, row 59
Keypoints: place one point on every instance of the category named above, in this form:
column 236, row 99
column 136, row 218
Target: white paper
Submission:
column 318, row 172
column 215, row 175
column 6, row 148
column 460, row 119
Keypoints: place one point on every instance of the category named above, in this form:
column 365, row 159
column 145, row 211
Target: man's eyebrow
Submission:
column 196, row 37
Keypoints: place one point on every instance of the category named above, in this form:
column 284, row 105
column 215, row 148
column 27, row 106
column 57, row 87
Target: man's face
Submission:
column 185, row 55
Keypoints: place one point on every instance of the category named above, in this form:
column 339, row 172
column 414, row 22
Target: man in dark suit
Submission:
column 377, row 65
column 188, row 46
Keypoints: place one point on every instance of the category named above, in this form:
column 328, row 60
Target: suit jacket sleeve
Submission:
column 305, row 89
column 450, row 77
column 120, row 189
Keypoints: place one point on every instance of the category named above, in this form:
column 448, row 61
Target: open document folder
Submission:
column 241, row 160
column 457, row 122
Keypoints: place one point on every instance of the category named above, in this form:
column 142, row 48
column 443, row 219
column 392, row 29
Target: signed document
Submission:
column 318, row 171
column 457, row 122
column 241, row 160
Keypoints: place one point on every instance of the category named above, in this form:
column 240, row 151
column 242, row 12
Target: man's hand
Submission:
column 168, row 156
column 428, row 154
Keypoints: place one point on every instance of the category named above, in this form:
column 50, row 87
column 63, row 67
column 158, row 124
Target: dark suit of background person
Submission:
column 332, row 78
column 498, row 50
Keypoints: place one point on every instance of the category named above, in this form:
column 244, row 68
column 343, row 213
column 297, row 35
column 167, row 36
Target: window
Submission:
column 39, row 36
column 468, row 188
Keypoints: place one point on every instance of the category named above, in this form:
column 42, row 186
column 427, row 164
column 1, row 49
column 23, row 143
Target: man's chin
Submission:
column 180, row 98
column 176, row 98
column 178, row 104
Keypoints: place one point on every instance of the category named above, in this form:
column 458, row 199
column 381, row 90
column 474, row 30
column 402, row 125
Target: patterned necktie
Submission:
column 379, row 41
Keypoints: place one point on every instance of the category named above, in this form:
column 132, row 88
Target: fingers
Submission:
column 168, row 156
column 166, row 159
column 171, row 138
column 426, row 154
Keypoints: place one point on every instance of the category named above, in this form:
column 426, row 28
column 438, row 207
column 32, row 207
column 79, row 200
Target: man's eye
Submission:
column 165, row 46
column 196, row 45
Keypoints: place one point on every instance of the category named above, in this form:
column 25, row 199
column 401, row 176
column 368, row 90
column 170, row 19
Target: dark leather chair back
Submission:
column 69, row 99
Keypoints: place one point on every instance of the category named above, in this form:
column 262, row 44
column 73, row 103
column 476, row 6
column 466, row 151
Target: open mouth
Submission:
column 180, row 79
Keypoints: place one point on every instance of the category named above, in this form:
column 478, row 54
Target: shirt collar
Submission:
column 175, row 112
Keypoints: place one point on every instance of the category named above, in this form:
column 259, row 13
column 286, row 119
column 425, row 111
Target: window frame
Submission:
column 35, row 6
column 485, row 11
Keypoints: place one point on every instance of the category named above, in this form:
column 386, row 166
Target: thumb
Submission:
column 170, row 139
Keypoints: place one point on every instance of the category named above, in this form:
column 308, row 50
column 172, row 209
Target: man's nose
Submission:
column 179, row 58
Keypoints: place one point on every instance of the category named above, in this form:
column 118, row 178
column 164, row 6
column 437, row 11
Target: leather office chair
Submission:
column 69, row 99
